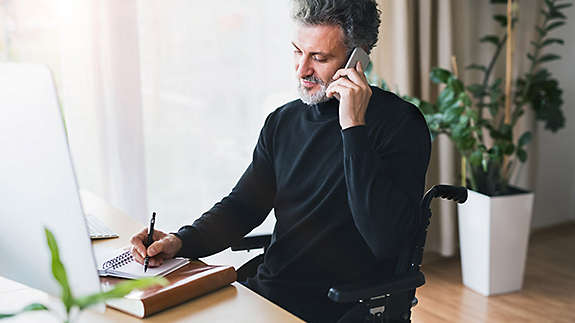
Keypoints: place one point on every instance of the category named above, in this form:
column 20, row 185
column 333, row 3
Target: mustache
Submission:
column 314, row 79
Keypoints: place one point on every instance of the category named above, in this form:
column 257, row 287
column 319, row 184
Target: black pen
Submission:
column 150, row 240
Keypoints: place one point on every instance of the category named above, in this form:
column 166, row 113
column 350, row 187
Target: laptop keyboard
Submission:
column 99, row 230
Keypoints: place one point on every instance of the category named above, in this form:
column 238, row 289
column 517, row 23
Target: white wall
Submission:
column 555, row 153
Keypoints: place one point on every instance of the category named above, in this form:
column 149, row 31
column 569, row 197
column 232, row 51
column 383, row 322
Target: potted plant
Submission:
column 479, row 118
column 74, row 305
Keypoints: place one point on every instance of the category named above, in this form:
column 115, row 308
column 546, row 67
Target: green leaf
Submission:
column 491, row 38
column 548, row 58
column 508, row 148
column 427, row 108
column 524, row 139
column 452, row 113
column 476, row 67
column 120, row 290
column 555, row 14
column 563, row 6
column 475, row 158
column 58, row 271
column 495, row 153
column 28, row 308
column 439, row 75
column 542, row 32
column 34, row 307
column 507, row 131
column 531, row 57
column 554, row 25
column 463, row 97
column 501, row 19
column 522, row 155
column 473, row 114
column 384, row 85
column 545, row 98
column 477, row 90
column 412, row 100
column 445, row 99
column 550, row 41
column 493, row 108
column 455, row 84
column 496, row 84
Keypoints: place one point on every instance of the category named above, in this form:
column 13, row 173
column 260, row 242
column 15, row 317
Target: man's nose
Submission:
column 304, row 67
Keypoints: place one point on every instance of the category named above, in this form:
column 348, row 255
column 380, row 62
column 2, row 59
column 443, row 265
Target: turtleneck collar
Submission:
column 326, row 109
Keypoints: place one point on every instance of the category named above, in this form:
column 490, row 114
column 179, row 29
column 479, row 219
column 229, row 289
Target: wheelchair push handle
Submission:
column 450, row 192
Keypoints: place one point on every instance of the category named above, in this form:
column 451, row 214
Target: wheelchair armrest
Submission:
column 366, row 290
column 252, row 242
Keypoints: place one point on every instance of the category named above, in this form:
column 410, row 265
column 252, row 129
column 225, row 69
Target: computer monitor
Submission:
column 38, row 186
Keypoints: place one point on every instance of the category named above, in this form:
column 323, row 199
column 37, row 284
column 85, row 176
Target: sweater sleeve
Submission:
column 241, row 211
column 385, row 178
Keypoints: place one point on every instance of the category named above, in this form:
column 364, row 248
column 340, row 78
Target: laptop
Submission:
column 38, row 187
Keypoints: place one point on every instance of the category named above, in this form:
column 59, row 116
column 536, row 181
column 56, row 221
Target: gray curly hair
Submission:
column 359, row 19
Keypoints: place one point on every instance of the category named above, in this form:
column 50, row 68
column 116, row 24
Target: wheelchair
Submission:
column 375, row 300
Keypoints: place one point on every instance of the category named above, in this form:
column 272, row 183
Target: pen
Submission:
column 150, row 240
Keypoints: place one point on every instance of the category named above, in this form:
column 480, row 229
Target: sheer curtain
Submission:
column 92, row 50
column 211, row 73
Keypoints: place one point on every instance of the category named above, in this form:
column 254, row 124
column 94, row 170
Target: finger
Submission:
column 336, row 88
column 137, row 240
column 137, row 256
column 158, row 235
column 135, row 252
column 352, row 75
column 347, row 83
column 361, row 72
column 156, row 261
column 156, row 248
column 341, row 87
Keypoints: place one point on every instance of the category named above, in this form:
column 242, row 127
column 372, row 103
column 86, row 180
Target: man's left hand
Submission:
column 353, row 91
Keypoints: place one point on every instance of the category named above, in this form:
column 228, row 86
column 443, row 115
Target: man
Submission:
column 344, row 175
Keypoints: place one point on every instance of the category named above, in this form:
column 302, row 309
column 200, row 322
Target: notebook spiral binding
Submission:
column 118, row 261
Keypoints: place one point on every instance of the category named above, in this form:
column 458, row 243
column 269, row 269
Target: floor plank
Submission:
column 548, row 293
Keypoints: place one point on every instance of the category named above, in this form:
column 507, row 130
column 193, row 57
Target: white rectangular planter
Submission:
column 493, row 235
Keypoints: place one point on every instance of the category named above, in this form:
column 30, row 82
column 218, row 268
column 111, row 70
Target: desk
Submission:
column 234, row 303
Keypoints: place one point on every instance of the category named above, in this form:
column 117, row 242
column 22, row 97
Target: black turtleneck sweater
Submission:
column 344, row 200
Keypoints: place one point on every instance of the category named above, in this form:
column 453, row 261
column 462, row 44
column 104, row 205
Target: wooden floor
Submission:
column 548, row 293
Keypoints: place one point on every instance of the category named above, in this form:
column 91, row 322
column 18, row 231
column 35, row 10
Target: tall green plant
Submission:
column 80, row 303
column 467, row 113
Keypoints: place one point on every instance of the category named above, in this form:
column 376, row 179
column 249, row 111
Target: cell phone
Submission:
column 360, row 55
column 357, row 54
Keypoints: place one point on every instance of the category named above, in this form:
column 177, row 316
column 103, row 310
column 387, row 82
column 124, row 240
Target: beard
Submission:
column 317, row 97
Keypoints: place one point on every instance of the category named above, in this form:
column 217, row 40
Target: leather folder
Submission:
column 193, row 280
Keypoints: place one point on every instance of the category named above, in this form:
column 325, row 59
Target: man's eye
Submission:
column 319, row 59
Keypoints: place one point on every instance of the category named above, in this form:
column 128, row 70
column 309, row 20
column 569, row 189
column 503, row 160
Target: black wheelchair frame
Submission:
column 376, row 300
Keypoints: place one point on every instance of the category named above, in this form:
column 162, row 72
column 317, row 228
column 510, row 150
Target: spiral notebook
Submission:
column 121, row 263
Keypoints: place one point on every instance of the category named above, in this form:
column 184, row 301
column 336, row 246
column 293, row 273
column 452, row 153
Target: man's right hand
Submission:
column 165, row 246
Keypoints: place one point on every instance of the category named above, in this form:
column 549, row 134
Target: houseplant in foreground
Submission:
column 480, row 118
column 73, row 305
